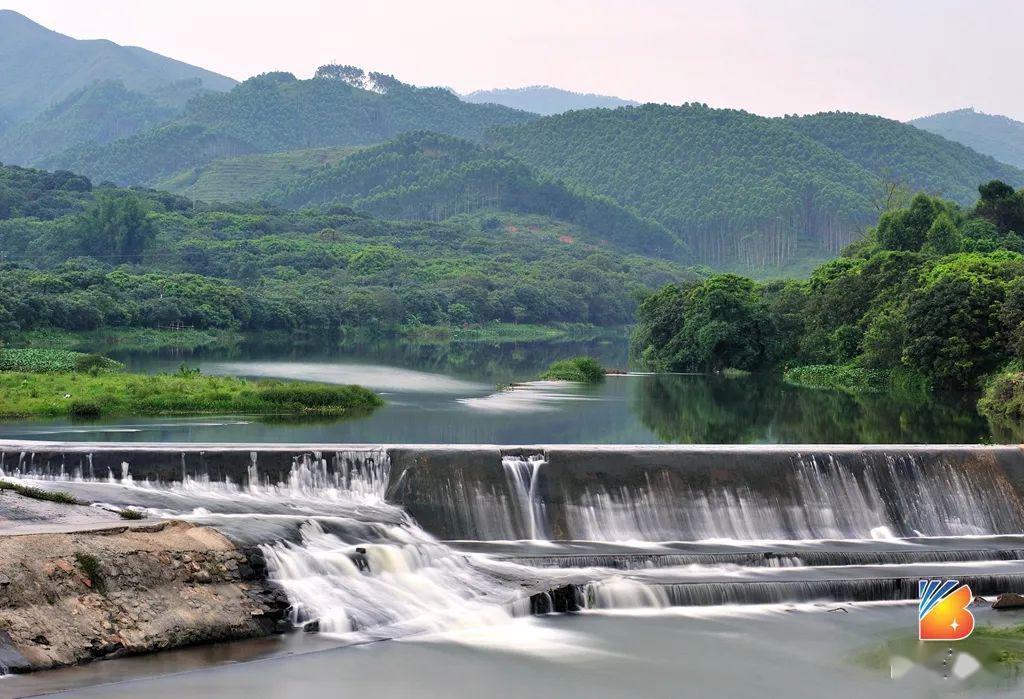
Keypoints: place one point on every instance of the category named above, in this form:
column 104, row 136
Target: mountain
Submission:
column 252, row 177
column 545, row 100
column 340, row 106
column 41, row 67
column 991, row 134
column 745, row 190
column 99, row 113
column 430, row 176
column 900, row 152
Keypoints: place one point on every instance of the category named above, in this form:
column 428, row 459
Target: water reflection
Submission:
column 446, row 393
column 715, row 409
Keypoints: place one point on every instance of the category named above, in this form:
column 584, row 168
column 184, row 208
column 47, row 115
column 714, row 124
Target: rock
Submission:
column 1008, row 600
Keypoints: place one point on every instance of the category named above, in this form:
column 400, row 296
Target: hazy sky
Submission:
column 899, row 58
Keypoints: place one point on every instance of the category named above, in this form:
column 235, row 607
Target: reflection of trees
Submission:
column 712, row 409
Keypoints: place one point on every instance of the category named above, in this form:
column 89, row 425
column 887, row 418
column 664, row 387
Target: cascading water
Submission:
column 338, row 531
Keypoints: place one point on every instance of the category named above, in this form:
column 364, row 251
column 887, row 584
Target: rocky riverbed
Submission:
column 76, row 595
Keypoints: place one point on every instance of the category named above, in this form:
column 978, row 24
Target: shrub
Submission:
column 90, row 565
column 84, row 409
column 131, row 514
column 579, row 369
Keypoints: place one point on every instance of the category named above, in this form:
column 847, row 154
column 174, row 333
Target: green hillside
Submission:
column 745, row 191
column 901, row 152
column 736, row 187
column 99, row 113
column 991, row 134
column 255, row 176
column 340, row 106
column 423, row 175
column 80, row 257
column 41, row 67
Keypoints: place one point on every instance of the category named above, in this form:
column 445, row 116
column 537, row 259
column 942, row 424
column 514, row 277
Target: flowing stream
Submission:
column 367, row 550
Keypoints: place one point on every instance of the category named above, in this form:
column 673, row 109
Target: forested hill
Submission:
column 82, row 257
column 733, row 185
column 545, row 100
column 340, row 106
column 900, row 152
column 741, row 189
column 423, row 175
column 41, row 67
column 99, row 113
column 998, row 136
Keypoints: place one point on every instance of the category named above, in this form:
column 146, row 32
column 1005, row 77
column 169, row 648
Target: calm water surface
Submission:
column 448, row 393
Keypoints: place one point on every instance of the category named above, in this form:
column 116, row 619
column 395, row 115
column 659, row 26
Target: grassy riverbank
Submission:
column 122, row 339
column 853, row 379
column 1002, row 400
column 93, row 395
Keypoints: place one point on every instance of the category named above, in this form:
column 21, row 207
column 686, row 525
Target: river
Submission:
column 448, row 394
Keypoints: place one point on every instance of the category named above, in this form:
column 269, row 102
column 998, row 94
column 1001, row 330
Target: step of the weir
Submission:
column 769, row 559
column 579, row 597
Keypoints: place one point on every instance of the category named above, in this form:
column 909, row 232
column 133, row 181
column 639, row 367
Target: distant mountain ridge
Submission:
column 546, row 100
column 41, row 67
column 339, row 106
column 991, row 134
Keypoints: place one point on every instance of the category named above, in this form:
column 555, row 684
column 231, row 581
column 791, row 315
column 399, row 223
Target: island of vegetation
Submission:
column 578, row 369
column 59, row 383
column 932, row 298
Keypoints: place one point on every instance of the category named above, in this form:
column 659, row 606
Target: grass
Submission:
column 54, row 360
column 131, row 514
column 90, row 565
column 28, row 491
column 91, row 396
column 579, row 369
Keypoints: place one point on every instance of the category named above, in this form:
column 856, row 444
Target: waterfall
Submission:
column 522, row 478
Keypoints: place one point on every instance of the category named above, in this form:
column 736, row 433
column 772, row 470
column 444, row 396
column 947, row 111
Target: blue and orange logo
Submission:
column 942, row 613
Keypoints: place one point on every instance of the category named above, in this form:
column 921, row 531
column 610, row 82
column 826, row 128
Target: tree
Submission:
column 1002, row 205
column 943, row 237
column 906, row 229
column 116, row 225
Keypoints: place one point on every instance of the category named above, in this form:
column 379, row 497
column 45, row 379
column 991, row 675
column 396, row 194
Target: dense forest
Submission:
column 340, row 105
column 82, row 257
column 991, row 134
column 546, row 100
column 921, row 160
column 98, row 113
column 931, row 298
column 423, row 175
column 739, row 188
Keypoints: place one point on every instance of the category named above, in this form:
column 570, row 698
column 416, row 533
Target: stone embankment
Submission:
column 76, row 596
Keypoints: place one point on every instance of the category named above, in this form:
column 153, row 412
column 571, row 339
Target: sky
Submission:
column 897, row 58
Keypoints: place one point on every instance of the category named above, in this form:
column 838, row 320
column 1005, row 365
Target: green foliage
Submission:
column 50, row 360
column 89, row 396
column 842, row 377
column 579, row 369
column 277, row 112
column 28, row 491
column 722, row 322
column 252, row 268
column 904, row 313
column 748, row 191
column 116, row 225
column 131, row 514
column 424, row 175
column 100, row 112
